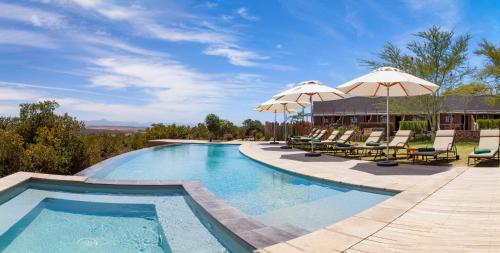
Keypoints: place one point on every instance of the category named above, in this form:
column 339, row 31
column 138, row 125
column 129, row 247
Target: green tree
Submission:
column 490, row 72
column 213, row 124
column 250, row 124
column 437, row 56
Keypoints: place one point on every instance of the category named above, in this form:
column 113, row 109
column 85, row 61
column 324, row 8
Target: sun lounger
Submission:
column 444, row 143
column 489, row 142
column 316, row 138
column 400, row 141
column 342, row 143
column 372, row 142
column 313, row 132
column 374, row 137
column 331, row 139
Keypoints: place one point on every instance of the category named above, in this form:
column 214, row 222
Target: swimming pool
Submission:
column 269, row 195
column 55, row 217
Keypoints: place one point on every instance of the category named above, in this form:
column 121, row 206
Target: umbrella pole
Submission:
column 387, row 163
column 387, row 120
column 312, row 121
column 312, row 126
column 274, row 128
column 284, row 124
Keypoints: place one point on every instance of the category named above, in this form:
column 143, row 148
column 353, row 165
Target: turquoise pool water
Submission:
column 269, row 195
column 53, row 218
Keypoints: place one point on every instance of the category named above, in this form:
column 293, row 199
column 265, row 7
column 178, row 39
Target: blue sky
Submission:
column 176, row 61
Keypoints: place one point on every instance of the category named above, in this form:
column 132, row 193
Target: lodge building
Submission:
column 457, row 112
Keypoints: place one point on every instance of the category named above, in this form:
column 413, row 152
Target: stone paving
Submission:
column 439, row 209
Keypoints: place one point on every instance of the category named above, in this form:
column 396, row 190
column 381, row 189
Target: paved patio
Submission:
column 354, row 172
column 440, row 209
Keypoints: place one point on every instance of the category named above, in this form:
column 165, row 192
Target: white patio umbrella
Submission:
column 310, row 91
column 280, row 106
column 388, row 82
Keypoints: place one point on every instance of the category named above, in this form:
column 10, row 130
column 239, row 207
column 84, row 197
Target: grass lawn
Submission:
column 463, row 148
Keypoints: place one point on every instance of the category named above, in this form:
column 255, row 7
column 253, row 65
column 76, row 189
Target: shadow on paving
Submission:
column 371, row 167
column 302, row 158
column 401, row 169
column 279, row 149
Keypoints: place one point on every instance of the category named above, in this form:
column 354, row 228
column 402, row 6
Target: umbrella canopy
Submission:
column 310, row 91
column 281, row 106
column 388, row 81
column 274, row 106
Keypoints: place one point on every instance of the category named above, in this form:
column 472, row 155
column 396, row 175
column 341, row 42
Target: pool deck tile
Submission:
column 357, row 227
column 281, row 248
column 439, row 209
column 324, row 241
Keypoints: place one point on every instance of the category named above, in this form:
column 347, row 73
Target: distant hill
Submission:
column 103, row 125
column 110, row 123
column 114, row 129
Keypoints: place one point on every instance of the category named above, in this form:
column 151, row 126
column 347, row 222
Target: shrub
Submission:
column 417, row 127
column 11, row 152
column 488, row 123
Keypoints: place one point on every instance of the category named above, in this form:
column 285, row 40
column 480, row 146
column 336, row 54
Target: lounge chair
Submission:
column 330, row 140
column 304, row 142
column 374, row 137
column 444, row 143
column 400, row 141
column 342, row 143
column 372, row 142
column 489, row 142
column 313, row 132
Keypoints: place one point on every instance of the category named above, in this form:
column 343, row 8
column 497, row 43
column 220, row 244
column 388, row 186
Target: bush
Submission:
column 11, row 152
column 488, row 124
column 259, row 136
column 416, row 127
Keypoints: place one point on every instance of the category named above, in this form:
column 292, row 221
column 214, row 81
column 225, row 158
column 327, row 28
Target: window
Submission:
column 448, row 118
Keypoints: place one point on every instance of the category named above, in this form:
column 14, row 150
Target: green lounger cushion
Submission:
column 426, row 149
column 343, row 145
column 481, row 151
column 372, row 144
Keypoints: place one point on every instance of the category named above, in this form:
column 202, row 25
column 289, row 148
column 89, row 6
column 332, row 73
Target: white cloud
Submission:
column 221, row 43
column 185, row 34
column 236, row 56
column 26, row 38
column 31, row 16
column 9, row 94
column 111, row 43
column 243, row 12
column 279, row 46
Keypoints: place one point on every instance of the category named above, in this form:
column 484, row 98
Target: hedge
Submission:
column 417, row 127
column 488, row 123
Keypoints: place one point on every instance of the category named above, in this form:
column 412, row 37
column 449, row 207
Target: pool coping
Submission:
column 249, row 231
